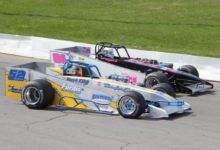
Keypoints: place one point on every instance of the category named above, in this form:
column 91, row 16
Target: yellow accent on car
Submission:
column 67, row 101
column 81, row 58
column 114, row 104
column 65, row 98
column 60, row 94
column 150, row 90
column 81, row 105
column 56, row 99
column 57, row 70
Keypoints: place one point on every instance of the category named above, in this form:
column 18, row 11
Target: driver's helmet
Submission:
column 108, row 53
column 74, row 70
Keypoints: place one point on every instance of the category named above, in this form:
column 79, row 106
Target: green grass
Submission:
column 179, row 26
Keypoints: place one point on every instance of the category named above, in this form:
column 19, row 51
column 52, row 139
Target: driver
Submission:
column 109, row 53
column 73, row 71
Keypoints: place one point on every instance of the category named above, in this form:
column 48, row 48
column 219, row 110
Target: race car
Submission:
column 80, row 86
column 185, row 79
column 118, row 55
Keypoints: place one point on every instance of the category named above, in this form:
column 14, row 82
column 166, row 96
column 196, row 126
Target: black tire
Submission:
column 139, row 102
column 152, row 61
column 100, row 56
column 189, row 69
column 155, row 78
column 41, row 94
column 165, row 88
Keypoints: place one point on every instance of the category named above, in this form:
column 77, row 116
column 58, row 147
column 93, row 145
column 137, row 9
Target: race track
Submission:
column 25, row 129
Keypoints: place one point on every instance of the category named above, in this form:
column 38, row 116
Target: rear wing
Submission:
column 15, row 79
column 77, row 53
column 17, row 76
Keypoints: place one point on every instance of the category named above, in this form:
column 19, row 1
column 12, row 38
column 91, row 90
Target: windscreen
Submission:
column 95, row 73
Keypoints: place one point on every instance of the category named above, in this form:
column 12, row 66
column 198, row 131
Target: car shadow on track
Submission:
column 204, row 93
column 144, row 116
column 179, row 95
column 77, row 111
column 178, row 116
column 171, row 117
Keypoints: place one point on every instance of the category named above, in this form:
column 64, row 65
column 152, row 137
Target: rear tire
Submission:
column 132, row 105
column 37, row 94
column 155, row 78
column 165, row 88
column 189, row 69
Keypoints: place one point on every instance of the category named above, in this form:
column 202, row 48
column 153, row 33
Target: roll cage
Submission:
column 100, row 46
column 88, row 69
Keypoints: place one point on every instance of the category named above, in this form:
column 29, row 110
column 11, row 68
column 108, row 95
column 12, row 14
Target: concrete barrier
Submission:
column 38, row 47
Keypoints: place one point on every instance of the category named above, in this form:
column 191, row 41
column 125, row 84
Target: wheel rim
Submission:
column 32, row 95
column 151, row 81
column 127, row 105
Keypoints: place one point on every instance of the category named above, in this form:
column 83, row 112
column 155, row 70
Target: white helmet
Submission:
column 74, row 70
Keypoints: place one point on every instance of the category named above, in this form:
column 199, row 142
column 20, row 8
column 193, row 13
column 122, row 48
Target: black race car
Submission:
column 185, row 79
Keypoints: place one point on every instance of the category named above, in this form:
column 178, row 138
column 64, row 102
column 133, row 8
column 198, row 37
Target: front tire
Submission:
column 132, row 105
column 155, row 78
column 37, row 94
column 189, row 69
column 165, row 88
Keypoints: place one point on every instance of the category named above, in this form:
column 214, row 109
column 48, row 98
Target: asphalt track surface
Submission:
column 25, row 129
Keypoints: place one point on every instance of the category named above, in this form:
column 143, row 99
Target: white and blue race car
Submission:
column 80, row 86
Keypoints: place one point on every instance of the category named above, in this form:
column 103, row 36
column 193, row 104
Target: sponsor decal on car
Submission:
column 80, row 81
column 58, row 57
column 98, row 83
column 117, row 88
column 102, row 100
column 100, row 96
column 124, row 78
column 73, row 89
column 14, row 89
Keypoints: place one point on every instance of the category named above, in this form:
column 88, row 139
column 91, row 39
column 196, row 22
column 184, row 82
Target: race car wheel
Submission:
column 165, row 88
column 189, row 69
column 100, row 56
column 155, row 78
column 37, row 94
column 152, row 61
column 131, row 105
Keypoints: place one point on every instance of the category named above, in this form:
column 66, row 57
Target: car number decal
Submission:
column 17, row 75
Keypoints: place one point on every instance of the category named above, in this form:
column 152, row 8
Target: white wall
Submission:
column 38, row 47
